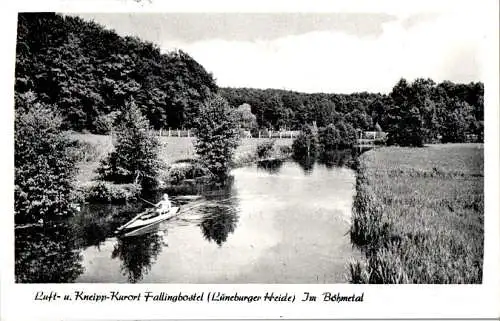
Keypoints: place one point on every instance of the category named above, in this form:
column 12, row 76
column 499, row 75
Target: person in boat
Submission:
column 161, row 207
column 164, row 205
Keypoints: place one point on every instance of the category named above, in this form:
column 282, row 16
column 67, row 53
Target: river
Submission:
column 280, row 223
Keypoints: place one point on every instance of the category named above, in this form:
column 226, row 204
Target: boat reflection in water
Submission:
column 256, row 229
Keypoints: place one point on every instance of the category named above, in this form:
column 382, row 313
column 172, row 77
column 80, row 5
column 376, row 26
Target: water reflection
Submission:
column 263, row 212
column 306, row 163
column 270, row 166
column 219, row 217
column 47, row 255
column 218, row 222
column 96, row 222
column 137, row 254
column 339, row 158
column 332, row 158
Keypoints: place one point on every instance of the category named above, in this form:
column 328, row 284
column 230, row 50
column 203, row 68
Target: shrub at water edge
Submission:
column 106, row 192
column 135, row 158
column 216, row 136
column 45, row 165
column 265, row 149
column 306, row 143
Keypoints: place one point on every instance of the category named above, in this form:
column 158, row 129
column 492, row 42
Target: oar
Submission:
column 181, row 211
column 138, row 215
column 131, row 221
column 199, row 203
column 142, row 199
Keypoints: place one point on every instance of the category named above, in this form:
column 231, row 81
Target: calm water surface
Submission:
column 285, row 223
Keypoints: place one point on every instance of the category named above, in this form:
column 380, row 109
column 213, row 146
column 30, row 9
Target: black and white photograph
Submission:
column 237, row 148
column 190, row 148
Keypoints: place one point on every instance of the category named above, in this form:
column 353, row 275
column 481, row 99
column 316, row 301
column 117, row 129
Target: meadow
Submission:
column 174, row 149
column 418, row 215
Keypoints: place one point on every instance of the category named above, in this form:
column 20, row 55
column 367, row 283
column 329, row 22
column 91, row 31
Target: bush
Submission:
column 216, row 136
column 45, row 165
column 86, row 151
column 339, row 136
column 104, row 123
column 285, row 150
column 180, row 172
column 105, row 192
column 136, row 155
column 306, row 143
column 265, row 149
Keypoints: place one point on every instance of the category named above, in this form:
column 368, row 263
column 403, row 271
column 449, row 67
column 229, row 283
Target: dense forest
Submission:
column 87, row 73
column 437, row 108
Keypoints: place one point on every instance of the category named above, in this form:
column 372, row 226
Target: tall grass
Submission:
column 418, row 215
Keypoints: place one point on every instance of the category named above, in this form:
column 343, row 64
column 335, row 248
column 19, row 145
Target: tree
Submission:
column 216, row 136
column 306, row 143
column 45, row 164
column 329, row 138
column 359, row 119
column 136, row 154
column 86, row 72
column 405, row 119
column 246, row 119
column 457, row 122
column 339, row 136
column 347, row 134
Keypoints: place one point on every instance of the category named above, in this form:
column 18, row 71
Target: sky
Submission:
column 317, row 52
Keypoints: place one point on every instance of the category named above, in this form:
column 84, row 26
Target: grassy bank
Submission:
column 418, row 215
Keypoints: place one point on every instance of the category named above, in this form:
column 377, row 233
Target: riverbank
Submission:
column 418, row 215
column 175, row 151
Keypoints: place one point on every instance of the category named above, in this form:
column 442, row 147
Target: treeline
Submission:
column 87, row 73
column 445, row 111
column 76, row 75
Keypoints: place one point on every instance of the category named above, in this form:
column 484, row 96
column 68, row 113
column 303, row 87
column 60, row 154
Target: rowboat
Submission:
column 146, row 219
column 147, row 229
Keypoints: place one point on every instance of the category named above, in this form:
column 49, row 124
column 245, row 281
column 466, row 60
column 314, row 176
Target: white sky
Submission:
column 317, row 52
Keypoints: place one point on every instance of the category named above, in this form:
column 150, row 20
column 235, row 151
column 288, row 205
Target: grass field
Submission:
column 418, row 215
column 173, row 149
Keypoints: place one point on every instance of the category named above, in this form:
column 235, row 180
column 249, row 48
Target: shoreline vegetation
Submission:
column 418, row 215
column 86, row 116
column 182, row 172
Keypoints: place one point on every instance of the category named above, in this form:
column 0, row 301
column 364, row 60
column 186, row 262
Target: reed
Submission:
column 418, row 215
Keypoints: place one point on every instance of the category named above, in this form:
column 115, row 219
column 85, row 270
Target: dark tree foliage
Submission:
column 45, row 164
column 406, row 122
column 135, row 157
column 137, row 255
column 423, row 112
column 218, row 223
column 87, row 72
column 47, row 254
column 306, row 144
column 422, row 104
column 339, row 136
column 457, row 122
column 217, row 136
